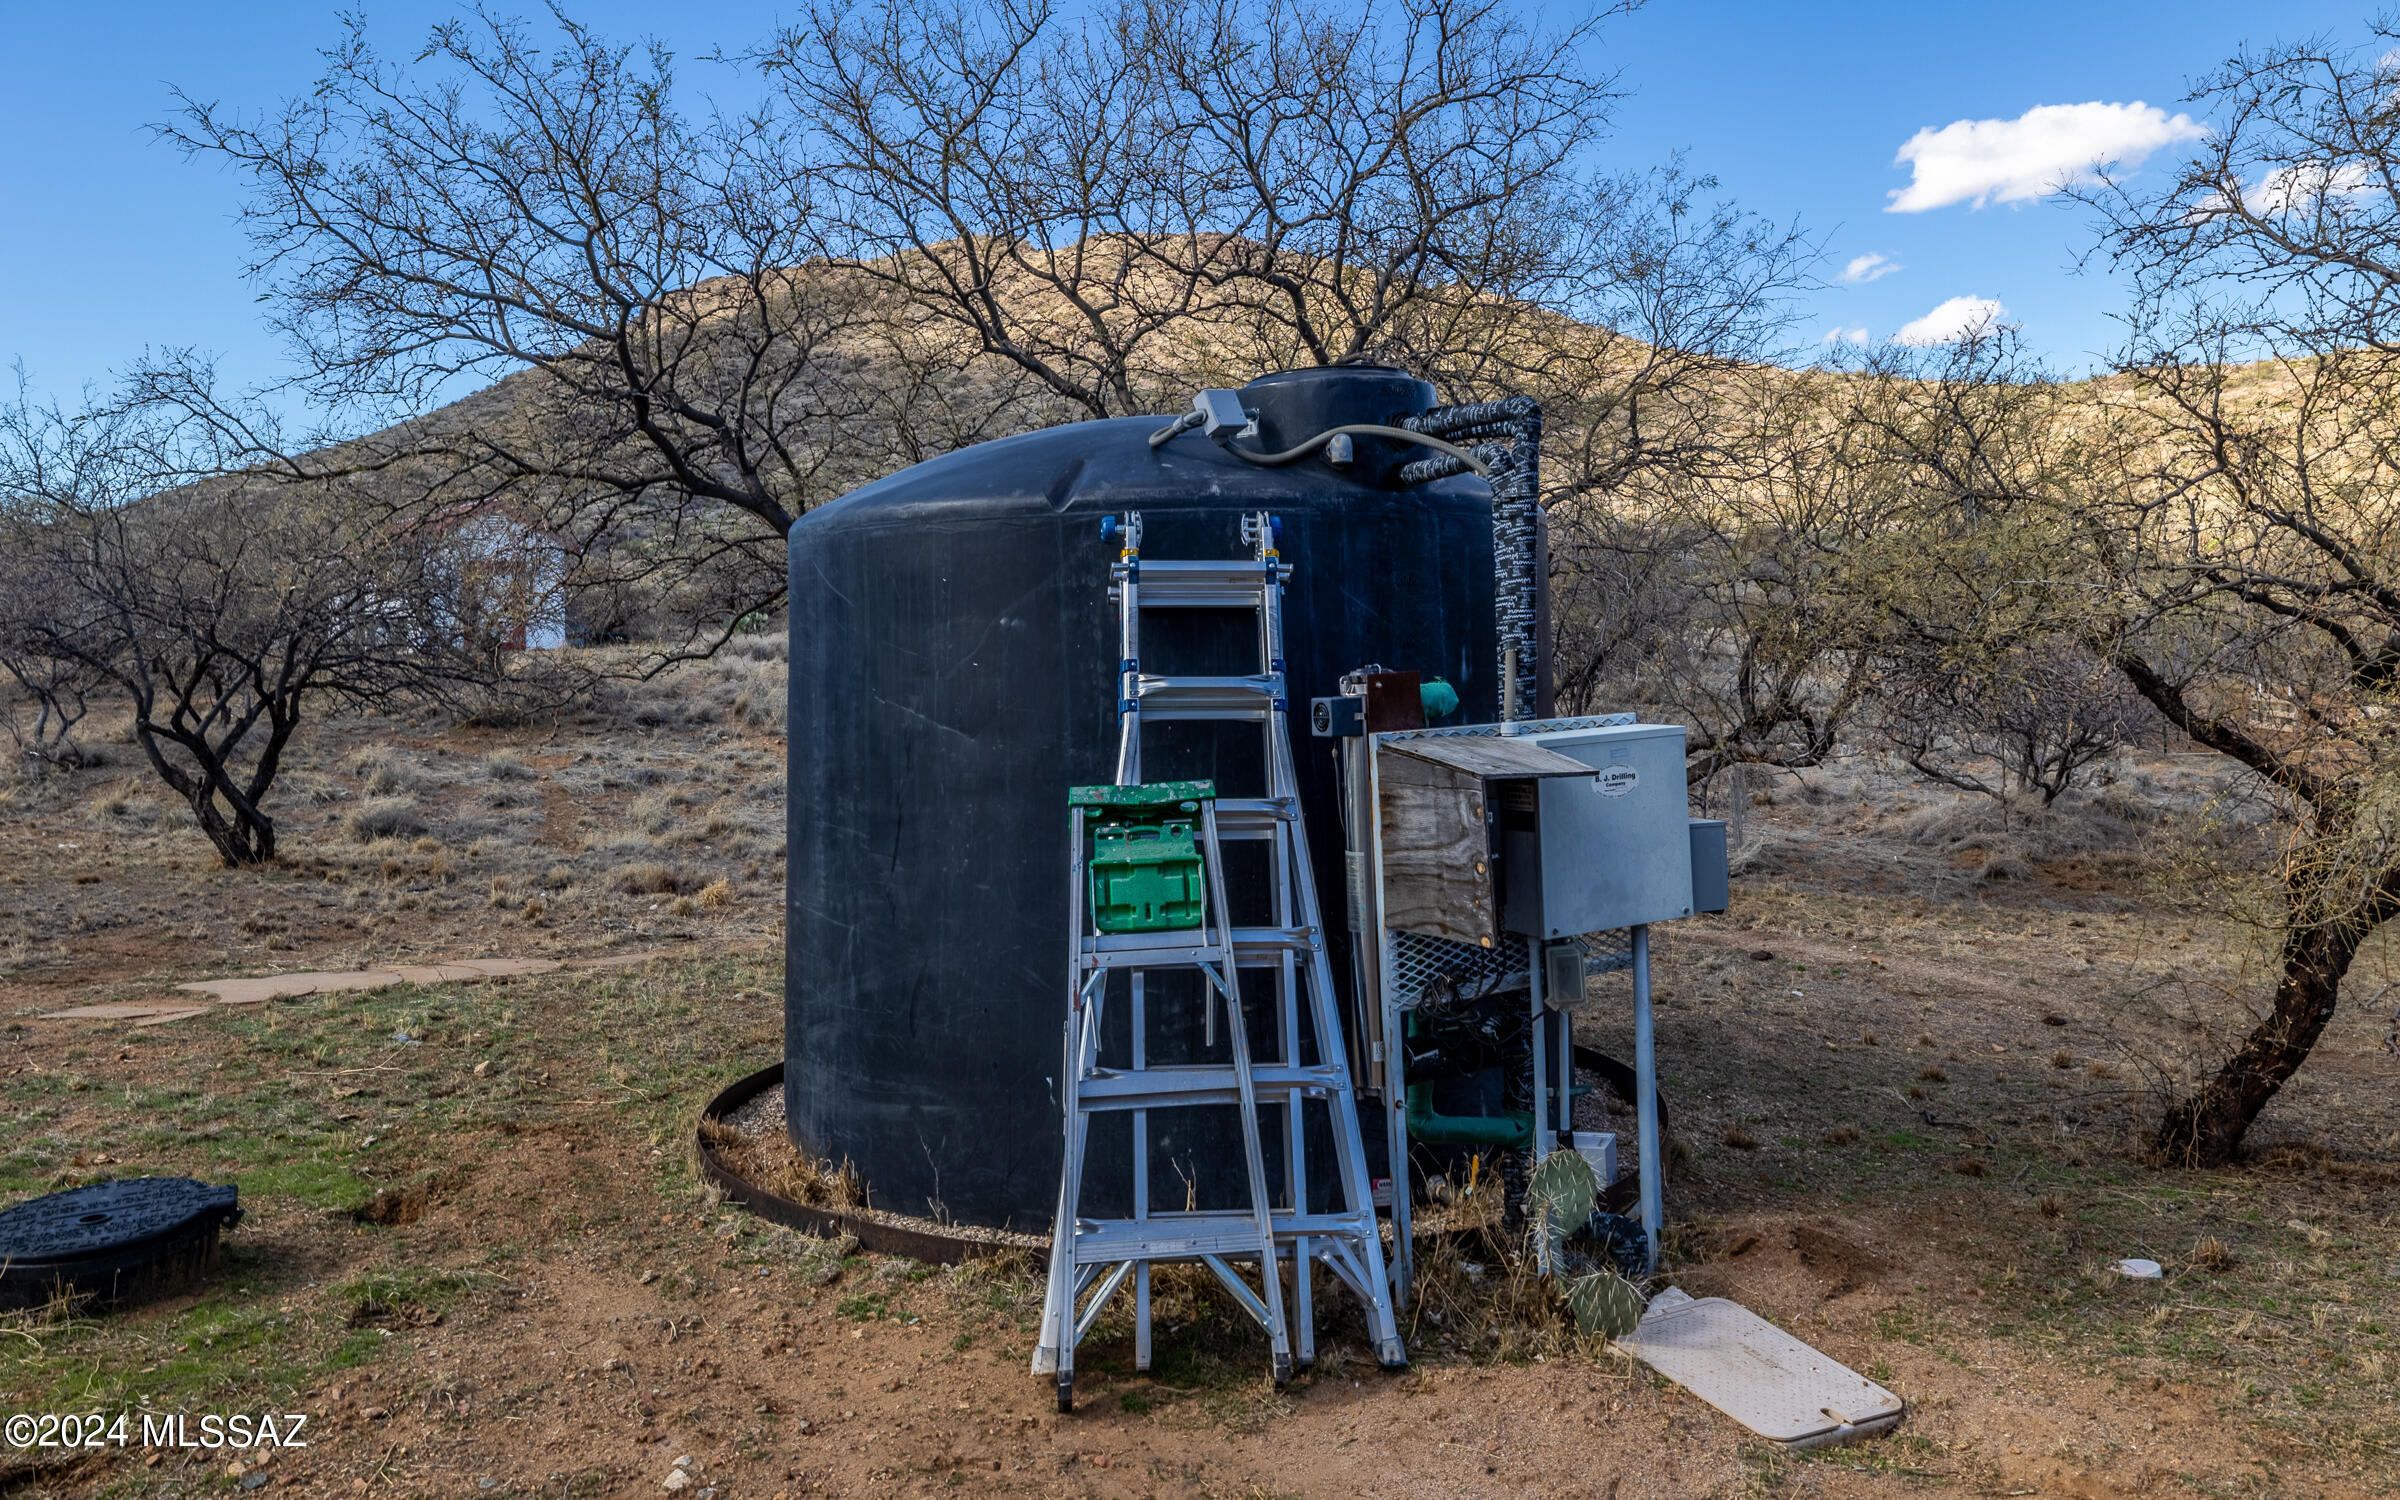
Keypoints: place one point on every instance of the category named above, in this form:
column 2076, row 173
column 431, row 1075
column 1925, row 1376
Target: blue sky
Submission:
column 110, row 242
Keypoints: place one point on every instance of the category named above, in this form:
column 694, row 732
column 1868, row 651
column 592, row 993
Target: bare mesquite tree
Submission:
column 944, row 220
column 1169, row 191
column 1729, row 596
column 1691, row 525
column 687, row 374
column 224, row 606
column 1989, row 674
column 2020, row 720
column 2251, row 562
column 59, row 689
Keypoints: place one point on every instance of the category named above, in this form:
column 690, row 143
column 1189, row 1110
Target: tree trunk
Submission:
column 247, row 837
column 242, row 839
column 2205, row 1129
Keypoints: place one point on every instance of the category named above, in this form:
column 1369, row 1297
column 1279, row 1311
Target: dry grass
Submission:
column 646, row 878
column 384, row 818
column 785, row 1171
column 544, row 805
column 385, row 771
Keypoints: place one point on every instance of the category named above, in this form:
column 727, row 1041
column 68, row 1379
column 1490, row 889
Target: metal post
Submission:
column 1129, row 654
column 1140, row 1015
column 1540, row 1027
column 1566, row 1080
column 1645, row 1089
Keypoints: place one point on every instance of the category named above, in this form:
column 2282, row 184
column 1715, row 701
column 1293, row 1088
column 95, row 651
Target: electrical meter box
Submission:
column 1581, row 854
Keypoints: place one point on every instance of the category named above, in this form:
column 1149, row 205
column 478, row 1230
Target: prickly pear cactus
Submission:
column 1605, row 1303
column 1558, row 1198
column 1558, row 1201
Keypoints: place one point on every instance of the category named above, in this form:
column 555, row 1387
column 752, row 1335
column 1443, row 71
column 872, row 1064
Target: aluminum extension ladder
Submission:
column 1092, row 1259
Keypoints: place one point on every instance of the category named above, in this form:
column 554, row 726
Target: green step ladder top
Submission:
column 1151, row 797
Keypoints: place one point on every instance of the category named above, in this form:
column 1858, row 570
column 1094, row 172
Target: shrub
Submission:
column 507, row 765
column 383, row 818
column 762, row 705
column 655, row 813
column 386, row 772
column 647, row 879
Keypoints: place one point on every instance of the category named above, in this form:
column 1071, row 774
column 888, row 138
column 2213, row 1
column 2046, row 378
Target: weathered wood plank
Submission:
column 1436, row 860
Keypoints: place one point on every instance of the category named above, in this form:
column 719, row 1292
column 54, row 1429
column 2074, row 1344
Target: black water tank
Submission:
column 952, row 659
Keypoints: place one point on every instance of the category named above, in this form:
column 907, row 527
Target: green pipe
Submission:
column 1511, row 1130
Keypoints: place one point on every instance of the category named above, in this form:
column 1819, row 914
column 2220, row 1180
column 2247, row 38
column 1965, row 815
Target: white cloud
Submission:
column 1959, row 318
column 2298, row 188
column 1840, row 335
column 2047, row 148
column 1873, row 266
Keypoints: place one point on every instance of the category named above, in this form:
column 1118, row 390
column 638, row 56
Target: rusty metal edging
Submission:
column 950, row 1249
column 872, row 1234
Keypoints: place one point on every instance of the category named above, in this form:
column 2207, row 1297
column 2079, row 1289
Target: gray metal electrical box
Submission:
column 1583, row 855
column 1712, row 870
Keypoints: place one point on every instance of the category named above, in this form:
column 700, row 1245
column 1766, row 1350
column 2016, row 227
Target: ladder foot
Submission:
column 1392, row 1354
column 1066, row 1393
column 1283, row 1371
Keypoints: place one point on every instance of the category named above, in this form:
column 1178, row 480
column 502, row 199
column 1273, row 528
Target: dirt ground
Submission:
column 1908, row 1072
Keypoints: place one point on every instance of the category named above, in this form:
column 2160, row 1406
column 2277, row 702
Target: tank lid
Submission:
column 1292, row 406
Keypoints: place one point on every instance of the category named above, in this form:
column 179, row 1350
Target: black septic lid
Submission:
column 112, row 1242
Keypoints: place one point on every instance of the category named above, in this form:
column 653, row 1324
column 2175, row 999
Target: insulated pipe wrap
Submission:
column 1507, row 436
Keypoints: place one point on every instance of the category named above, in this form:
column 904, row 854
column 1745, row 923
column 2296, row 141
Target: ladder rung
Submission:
column 1159, row 950
column 1184, row 1087
column 1208, row 697
column 1234, row 583
column 1136, row 950
column 1249, row 942
column 1254, row 817
column 1175, row 1236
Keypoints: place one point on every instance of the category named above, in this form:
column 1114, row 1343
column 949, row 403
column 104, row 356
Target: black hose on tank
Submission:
column 1451, row 452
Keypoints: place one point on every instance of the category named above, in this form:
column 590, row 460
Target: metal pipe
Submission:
column 1538, row 1027
column 1645, row 1103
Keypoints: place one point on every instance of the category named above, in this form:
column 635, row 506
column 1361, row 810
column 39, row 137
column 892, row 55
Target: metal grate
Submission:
column 1606, row 952
column 1415, row 963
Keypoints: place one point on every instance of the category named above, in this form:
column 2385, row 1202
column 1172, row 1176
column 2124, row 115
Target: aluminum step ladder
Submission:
column 1091, row 1260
